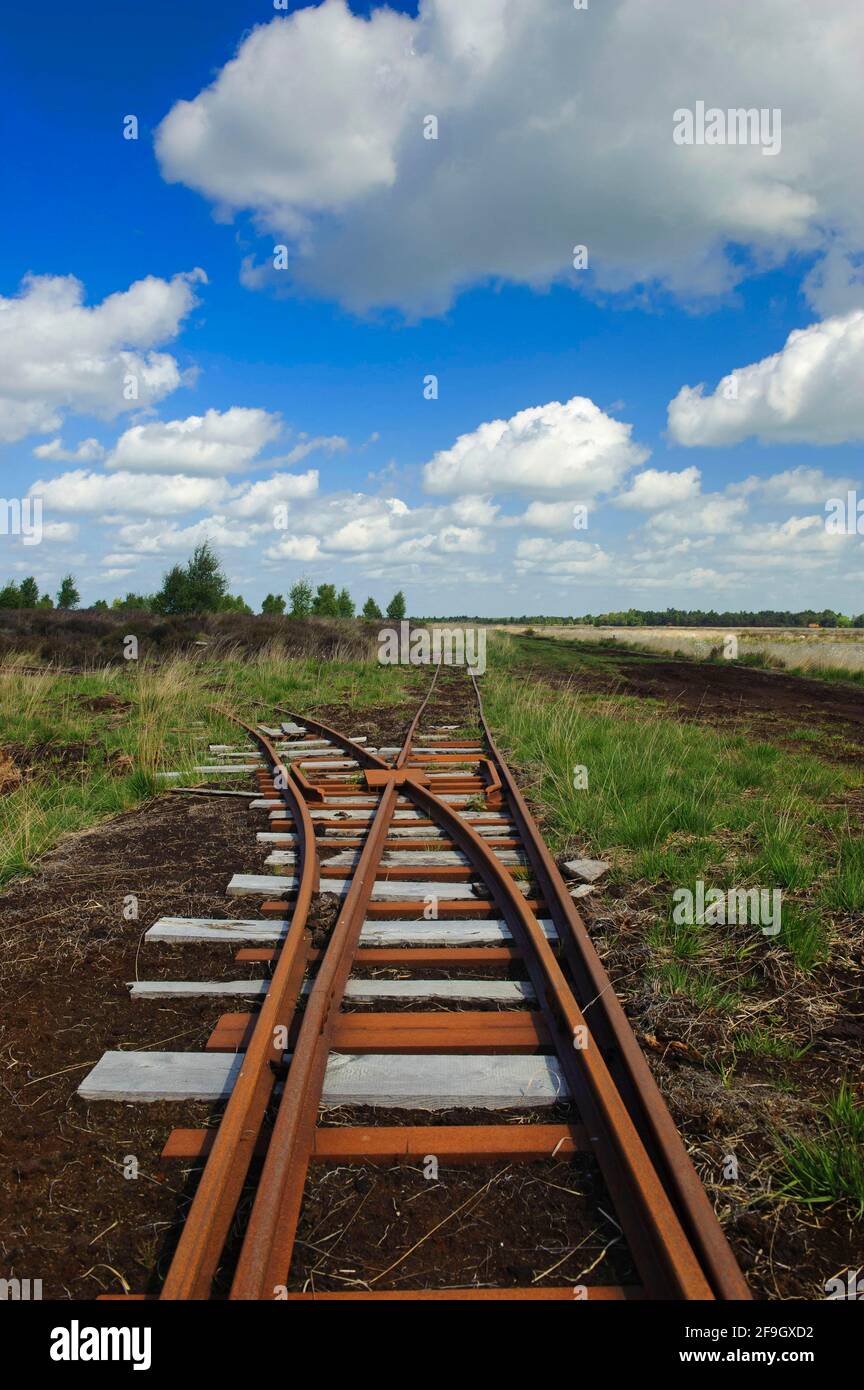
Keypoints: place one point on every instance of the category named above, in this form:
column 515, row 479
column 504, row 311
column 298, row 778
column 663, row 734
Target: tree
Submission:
column 326, row 602
column 133, row 603
column 396, row 606
column 68, row 595
column 100, row 606
column 10, row 597
column 208, row 585
column 300, row 598
column 46, row 601
column 344, row 604
column 274, row 604
column 173, row 597
column 234, row 603
column 29, row 593
column 371, row 609
column 200, row 587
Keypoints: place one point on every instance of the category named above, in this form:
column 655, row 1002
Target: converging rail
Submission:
column 438, row 863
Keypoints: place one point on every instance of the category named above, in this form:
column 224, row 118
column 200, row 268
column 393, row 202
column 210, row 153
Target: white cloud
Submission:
column 259, row 499
column 291, row 547
column 810, row 392
column 548, row 516
column 711, row 515
column 802, row 485
column 88, row 451
column 59, row 355
column 545, row 114
column 559, row 558
column 653, row 488
column 60, row 530
column 463, row 540
column 155, row 538
column 331, row 443
column 572, row 449
column 202, row 445
column 474, row 511
column 124, row 493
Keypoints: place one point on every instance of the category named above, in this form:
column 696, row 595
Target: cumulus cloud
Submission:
column 653, row 488
column 58, row 355
column 259, row 499
column 810, row 392
column 154, row 538
column 122, row 493
column 548, row 516
column 711, row 515
column 559, row 558
column 572, row 449
column 202, row 445
column 317, row 125
column 86, row 452
column 798, row 486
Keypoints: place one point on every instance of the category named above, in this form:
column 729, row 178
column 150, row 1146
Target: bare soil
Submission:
column 739, row 699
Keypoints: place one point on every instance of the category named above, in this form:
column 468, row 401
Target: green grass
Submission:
column 174, row 714
column 673, row 802
column 829, row 1167
column 843, row 890
column 698, row 985
column 761, row 1041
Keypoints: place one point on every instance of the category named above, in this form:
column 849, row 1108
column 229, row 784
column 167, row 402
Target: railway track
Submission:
column 437, row 865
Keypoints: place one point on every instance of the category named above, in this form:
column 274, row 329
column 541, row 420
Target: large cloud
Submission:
column 120, row 494
column 210, row 445
column 572, row 450
column 810, row 392
column 554, row 128
column 57, row 354
column 653, row 488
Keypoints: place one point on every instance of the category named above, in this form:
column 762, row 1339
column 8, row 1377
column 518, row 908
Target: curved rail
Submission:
column 363, row 756
column 209, row 1219
column 269, row 1241
column 612, row 1029
column 671, row 1230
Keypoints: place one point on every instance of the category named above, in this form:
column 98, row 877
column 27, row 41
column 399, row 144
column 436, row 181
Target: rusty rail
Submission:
column 672, row 1232
column 208, row 1222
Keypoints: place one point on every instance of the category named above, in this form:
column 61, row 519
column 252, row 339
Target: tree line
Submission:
column 697, row 617
column 201, row 586
column 27, row 595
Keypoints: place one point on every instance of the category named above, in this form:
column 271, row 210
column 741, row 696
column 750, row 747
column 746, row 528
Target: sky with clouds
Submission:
column 227, row 327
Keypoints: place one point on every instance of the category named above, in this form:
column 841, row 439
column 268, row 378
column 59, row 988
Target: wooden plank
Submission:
column 359, row 990
column 152, row 1076
column 450, row 933
column 214, row 929
column 434, row 1082
column 402, row 890
column 486, row 991
column 407, row 932
column 404, row 1082
column 197, row 989
column 257, row 884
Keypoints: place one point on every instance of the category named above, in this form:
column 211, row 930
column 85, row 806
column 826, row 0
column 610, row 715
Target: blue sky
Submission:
column 282, row 412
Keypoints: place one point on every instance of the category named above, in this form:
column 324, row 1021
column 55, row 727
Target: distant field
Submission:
column 800, row 649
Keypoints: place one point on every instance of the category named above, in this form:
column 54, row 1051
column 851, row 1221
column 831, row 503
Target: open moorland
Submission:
column 671, row 771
